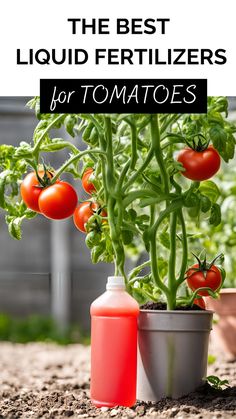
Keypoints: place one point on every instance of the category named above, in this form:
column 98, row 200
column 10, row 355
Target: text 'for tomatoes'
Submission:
column 199, row 165
column 55, row 201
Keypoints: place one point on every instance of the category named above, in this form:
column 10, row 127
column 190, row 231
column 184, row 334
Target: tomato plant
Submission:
column 86, row 182
column 151, row 204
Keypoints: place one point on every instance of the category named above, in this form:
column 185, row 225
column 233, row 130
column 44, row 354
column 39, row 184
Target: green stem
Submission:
column 134, row 155
column 139, row 194
column 138, row 269
column 122, row 175
column 72, row 160
column 184, row 249
column 155, row 136
column 140, row 170
column 132, row 161
column 102, row 144
column 154, row 268
column 153, row 232
column 171, row 302
column 171, row 120
column 111, row 220
column 37, row 145
column 114, row 202
column 110, row 180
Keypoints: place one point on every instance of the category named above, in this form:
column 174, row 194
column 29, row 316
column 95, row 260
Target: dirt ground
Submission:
column 50, row 381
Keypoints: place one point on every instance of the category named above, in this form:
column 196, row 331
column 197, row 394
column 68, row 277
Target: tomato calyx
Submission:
column 204, row 266
column 46, row 179
column 200, row 145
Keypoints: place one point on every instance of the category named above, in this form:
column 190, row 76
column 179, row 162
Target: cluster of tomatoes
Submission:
column 201, row 164
column 58, row 200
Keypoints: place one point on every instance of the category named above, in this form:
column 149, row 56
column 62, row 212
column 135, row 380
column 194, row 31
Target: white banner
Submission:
column 123, row 39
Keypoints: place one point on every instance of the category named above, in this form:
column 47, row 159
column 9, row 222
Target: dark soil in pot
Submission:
column 150, row 305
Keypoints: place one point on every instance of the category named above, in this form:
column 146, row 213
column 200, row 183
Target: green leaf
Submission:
column 205, row 203
column 24, row 151
column 228, row 152
column 127, row 236
column 132, row 214
column 97, row 252
column 218, row 137
column 70, row 122
column 29, row 214
column 156, row 200
column 209, row 189
column 55, row 144
column 215, row 217
column 140, row 295
column 216, row 382
column 162, row 267
column 14, row 226
column 191, row 200
column 87, row 132
column 6, row 152
column 3, row 177
column 93, row 238
column 164, row 239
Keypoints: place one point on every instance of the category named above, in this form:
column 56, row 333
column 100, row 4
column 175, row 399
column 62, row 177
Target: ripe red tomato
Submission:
column 58, row 201
column 30, row 190
column 199, row 165
column 200, row 302
column 83, row 212
column 196, row 279
column 87, row 185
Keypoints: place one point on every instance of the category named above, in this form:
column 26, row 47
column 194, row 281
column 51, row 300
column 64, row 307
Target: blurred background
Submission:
column 48, row 274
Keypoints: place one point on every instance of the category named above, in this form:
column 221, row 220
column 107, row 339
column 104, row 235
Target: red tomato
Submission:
column 199, row 165
column 83, row 212
column 30, row 190
column 58, row 201
column 87, row 185
column 196, row 279
column 200, row 302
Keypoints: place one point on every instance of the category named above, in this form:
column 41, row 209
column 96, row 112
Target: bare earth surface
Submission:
column 49, row 381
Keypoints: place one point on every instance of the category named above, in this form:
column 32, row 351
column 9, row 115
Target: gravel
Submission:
column 49, row 381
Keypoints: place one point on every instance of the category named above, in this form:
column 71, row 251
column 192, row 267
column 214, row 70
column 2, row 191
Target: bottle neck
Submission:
column 115, row 283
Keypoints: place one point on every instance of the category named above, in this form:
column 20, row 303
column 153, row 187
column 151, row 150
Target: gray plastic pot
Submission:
column 172, row 352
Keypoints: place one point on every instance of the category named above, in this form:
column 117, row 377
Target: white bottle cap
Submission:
column 115, row 283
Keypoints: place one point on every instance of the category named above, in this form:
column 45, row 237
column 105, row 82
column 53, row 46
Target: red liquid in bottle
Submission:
column 114, row 346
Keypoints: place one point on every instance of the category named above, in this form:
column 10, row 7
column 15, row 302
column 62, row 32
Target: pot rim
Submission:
column 228, row 291
column 177, row 311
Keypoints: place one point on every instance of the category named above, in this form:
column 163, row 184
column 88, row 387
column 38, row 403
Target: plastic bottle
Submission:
column 114, row 346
